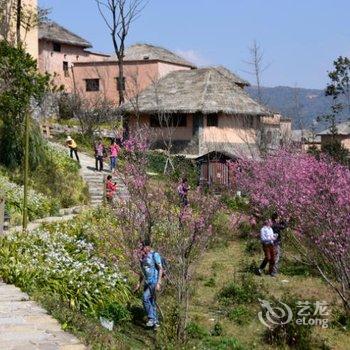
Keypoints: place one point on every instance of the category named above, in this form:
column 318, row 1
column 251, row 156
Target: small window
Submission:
column 154, row 121
column 65, row 69
column 56, row 47
column 212, row 120
column 92, row 84
column 248, row 122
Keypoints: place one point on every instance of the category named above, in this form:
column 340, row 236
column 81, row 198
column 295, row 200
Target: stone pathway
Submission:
column 96, row 179
column 26, row 326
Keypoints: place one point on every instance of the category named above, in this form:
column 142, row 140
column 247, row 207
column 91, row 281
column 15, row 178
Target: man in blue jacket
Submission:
column 152, row 271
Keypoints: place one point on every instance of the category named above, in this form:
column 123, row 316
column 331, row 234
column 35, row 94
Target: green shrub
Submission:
column 196, row 331
column 223, row 344
column 244, row 291
column 295, row 268
column 57, row 261
column 39, row 205
column 210, row 282
column 240, row 315
column 341, row 320
column 252, row 246
column 217, row 330
column 234, row 202
column 298, row 336
column 116, row 312
column 245, row 230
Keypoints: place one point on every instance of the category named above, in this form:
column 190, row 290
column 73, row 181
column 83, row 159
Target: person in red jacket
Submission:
column 111, row 189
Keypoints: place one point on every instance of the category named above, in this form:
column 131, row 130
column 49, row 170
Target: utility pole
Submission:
column 26, row 173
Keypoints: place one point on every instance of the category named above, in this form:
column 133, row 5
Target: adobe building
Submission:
column 204, row 110
column 144, row 64
column 342, row 135
column 59, row 50
column 8, row 25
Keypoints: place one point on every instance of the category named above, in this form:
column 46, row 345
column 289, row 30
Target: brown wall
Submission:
column 52, row 62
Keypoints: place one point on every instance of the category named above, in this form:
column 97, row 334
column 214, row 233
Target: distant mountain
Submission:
column 283, row 99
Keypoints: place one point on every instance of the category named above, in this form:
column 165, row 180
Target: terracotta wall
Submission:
column 137, row 75
column 52, row 62
column 231, row 129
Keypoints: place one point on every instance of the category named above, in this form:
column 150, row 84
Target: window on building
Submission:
column 248, row 121
column 177, row 120
column 65, row 69
column 56, row 47
column 212, row 120
column 92, row 84
column 120, row 84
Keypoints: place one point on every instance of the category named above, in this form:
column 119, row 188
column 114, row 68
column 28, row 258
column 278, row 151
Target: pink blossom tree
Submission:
column 154, row 211
column 314, row 195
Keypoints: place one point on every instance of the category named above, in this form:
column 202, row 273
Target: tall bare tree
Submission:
column 258, row 66
column 118, row 16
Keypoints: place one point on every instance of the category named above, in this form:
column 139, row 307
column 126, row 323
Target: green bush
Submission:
column 244, row 291
column 196, row 331
column 240, row 315
column 252, row 246
column 210, row 282
column 298, row 336
column 245, row 229
column 39, row 205
column 217, row 330
column 223, row 344
column 234, row 202
column 57, row 261
column 116, row 312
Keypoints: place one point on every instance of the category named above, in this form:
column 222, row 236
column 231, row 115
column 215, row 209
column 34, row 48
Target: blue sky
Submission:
column 300, row 38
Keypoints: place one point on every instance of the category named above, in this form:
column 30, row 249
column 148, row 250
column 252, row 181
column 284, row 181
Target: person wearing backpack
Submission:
column 151, row 275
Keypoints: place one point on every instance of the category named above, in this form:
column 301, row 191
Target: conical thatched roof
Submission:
column 144, row 52
column 229, row 74
column 52, row 31
column 205, row 90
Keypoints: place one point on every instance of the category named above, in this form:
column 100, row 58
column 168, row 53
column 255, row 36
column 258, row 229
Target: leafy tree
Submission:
column 337, row 151
column 25, row 88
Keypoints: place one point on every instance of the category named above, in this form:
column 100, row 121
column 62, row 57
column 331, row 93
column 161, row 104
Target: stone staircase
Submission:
column 25, row 325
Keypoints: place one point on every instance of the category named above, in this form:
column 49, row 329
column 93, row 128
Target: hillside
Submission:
column 284, row 99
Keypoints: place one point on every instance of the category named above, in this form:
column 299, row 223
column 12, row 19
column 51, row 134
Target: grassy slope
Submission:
column 225, row 262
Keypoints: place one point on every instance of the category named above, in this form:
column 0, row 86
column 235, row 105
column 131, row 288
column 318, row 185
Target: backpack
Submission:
column 164, row 264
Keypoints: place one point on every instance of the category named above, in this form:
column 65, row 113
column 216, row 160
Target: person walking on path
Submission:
column 111, row 189
column 182, row 190
column 113, row 155
column 72, row 148
column 268, row 239
column 277, row 226
column 99, row 153
column 151, row 275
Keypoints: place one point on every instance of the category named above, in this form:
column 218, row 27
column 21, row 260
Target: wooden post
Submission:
column 26, row 173
column 2, row 212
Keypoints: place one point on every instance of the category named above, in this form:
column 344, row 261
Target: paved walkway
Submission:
column 26, row 326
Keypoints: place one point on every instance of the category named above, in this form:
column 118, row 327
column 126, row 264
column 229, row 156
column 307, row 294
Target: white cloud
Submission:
column 194, row 57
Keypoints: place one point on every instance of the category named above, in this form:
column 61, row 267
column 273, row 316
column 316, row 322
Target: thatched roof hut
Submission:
column 51, row 31
column 205, row 90
column 147, row 52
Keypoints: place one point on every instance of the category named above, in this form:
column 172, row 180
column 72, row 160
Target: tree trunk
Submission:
column 18, row 22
